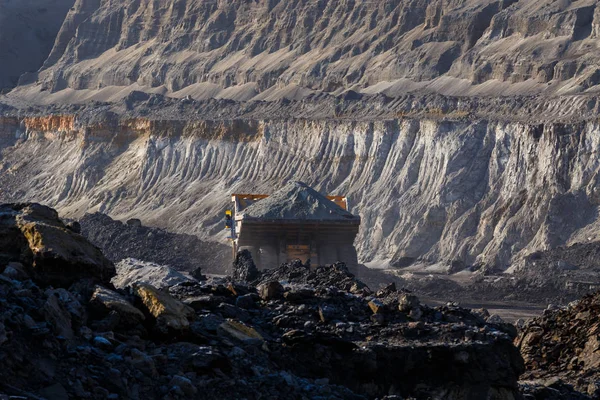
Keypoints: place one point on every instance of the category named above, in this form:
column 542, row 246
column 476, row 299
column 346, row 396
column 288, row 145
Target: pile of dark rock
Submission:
column 320, row 277
column 518, row 287
column 295, row 332
column 331, row 326
column 244, row 268
column 563, row 346
column 183, row 252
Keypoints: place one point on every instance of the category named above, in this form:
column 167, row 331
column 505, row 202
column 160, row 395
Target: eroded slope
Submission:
column 440, row 190
column 271, row 49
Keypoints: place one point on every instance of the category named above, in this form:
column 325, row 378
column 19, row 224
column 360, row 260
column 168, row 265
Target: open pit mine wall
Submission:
column 200, row 46
column 467, row 192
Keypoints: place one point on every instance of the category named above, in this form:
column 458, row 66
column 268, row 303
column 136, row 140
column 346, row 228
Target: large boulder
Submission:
column 171, row 315
column 103, row 301
column 270, row 290
column 131, row 271
column 54, row 255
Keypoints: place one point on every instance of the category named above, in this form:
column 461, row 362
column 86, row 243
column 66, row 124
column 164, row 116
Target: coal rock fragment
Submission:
column 244, row 269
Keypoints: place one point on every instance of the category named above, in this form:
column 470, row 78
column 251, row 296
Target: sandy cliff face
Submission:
column 451, row 191
column 271, row 49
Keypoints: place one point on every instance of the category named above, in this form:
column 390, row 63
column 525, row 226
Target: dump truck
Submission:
column 295, row 222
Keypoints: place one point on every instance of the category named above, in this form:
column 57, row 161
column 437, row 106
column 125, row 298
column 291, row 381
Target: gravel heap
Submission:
column 183, row 252
column 320, row 278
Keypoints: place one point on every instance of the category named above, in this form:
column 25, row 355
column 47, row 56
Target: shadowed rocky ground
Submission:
column 292, row 332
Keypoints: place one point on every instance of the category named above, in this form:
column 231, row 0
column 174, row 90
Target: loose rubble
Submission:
column 561, row 347
column 294, row 333
column 336, row 275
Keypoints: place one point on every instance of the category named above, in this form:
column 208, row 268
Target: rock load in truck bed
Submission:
column 297, row 201
column 296, row 222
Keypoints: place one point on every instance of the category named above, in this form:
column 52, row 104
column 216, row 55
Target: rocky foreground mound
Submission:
column 295, row 333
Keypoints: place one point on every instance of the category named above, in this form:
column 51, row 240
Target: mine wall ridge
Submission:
column 144, row 111
column 63, row 126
